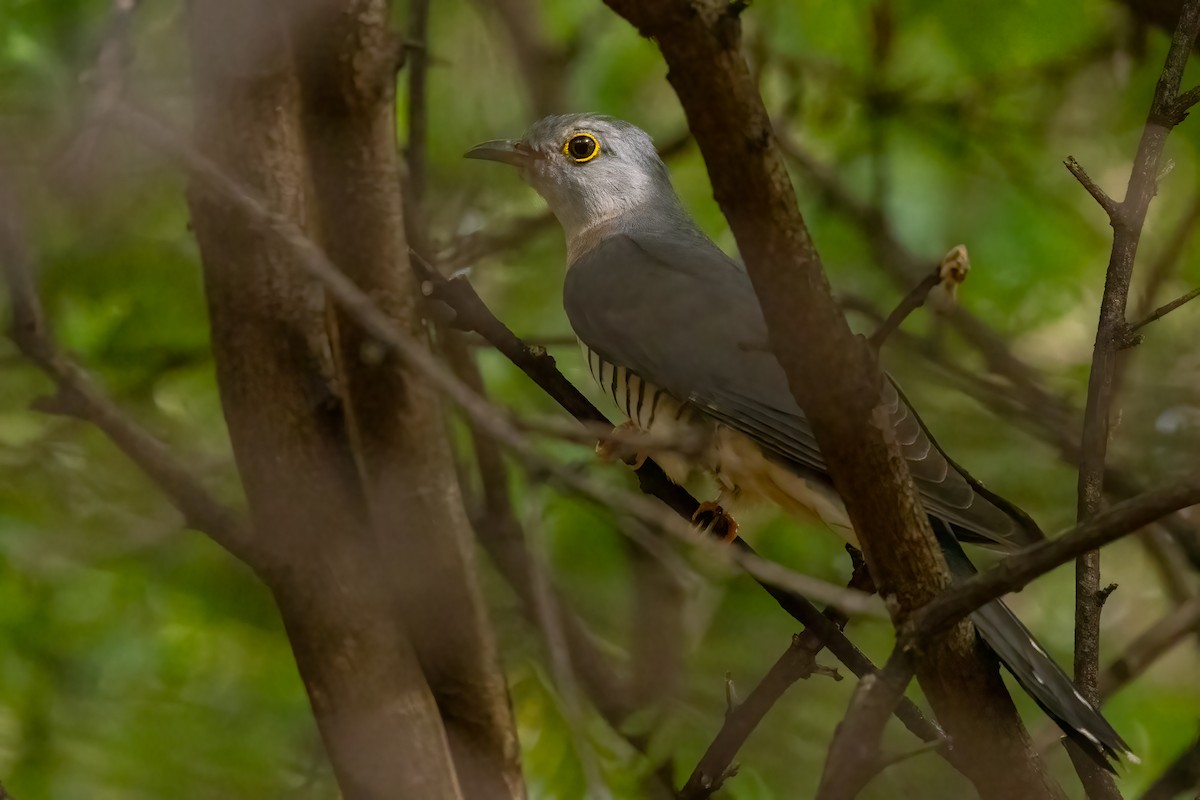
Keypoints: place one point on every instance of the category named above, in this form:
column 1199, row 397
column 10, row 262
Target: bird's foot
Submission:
column 619, row 445
column 710, row 516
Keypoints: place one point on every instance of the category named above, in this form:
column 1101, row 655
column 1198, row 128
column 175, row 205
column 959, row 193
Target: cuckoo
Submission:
column 672, row 331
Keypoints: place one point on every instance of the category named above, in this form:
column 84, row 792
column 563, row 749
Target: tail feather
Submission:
column 1036, row 672
column 1046, row 683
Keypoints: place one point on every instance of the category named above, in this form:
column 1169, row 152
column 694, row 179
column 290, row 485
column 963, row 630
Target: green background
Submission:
column 138, row 660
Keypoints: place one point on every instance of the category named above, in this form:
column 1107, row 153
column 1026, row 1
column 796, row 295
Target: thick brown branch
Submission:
column 378, row 719
column 344, row 53
column 833, row 376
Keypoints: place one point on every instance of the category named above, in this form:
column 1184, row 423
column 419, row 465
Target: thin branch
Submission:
column 855, row 744
column 1185, row 101
column 741, row 719
column 1182, row 777
column 911, row 302
column 949, row 273
column 1127, row 220
column 1163, row 310
column 467, row 249
column 1022, row 567
column 1173, row 249
column 904, row 267
column 798, row 662
column 1111, row 207
column 78, row 397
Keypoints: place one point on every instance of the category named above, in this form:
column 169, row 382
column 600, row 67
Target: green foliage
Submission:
column 138, row 660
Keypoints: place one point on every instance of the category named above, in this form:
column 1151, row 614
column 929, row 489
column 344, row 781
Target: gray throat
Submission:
column 657, row 215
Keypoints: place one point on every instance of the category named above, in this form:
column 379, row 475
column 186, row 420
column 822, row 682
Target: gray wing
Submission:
column 682, row 315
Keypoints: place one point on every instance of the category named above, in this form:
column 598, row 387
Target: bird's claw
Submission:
column 710, row 516
column 617, row 447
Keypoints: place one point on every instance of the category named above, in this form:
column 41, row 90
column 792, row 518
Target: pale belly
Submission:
column 740, row 467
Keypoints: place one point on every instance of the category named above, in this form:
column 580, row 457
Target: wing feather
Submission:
column 677, row 311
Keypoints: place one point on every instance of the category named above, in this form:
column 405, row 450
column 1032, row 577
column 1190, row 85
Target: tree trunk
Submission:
column 347, row 56
column 321, row 488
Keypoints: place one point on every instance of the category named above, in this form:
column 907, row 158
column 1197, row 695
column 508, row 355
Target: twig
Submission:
column 78, row 397
column 1161, row 311
column 1173, row 248
column 1110, row 206
column 949, row 273
column 1185, row 101
column 741, row 719
column 1181, row 777
column 796, row 663
column 1127, row 220
column 362, row 308
column 1019, row 569
column 856, row 742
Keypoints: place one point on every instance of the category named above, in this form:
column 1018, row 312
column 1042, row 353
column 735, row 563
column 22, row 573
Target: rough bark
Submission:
column 834, row 377
column 346, row 54
column 376, row 714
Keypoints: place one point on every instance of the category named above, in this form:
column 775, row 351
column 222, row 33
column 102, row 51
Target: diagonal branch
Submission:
column 798, row 662
column 855, row 746
column 77, row 396
column 1019, row 569
column 1160, row 312
column 949, row 273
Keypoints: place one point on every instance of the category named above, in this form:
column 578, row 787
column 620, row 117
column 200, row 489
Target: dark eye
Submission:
column 582, row 147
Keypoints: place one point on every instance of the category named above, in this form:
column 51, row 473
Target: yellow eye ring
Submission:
column 581, row 148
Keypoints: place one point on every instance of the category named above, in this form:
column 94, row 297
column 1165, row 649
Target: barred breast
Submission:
column 743, row 471
column 648, row 407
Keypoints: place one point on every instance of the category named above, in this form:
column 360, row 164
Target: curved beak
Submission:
column 506, row 151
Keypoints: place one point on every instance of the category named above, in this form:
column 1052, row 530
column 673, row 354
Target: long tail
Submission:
column 1033, row 668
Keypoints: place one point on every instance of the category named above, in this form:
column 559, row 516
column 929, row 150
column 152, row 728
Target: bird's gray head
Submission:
column 596, row 173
